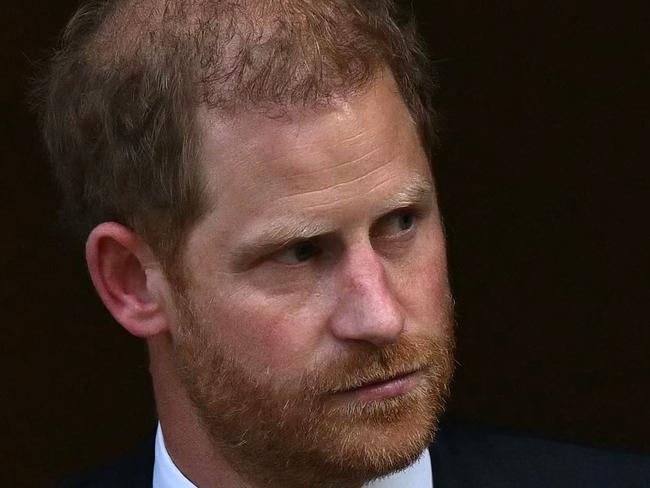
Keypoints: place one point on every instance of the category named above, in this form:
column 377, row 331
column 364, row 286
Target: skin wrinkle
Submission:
column 274, row 159
column 242, row 161
column 246, row 360
column 312, row 172
column 277, row 234
column 288, row 334
column 340, row 185
column 168, row 57
column 403, row 199
column 348, row 198
column 354, row 137
column 345, row 163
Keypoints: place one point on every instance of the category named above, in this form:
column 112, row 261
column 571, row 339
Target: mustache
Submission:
column 369, row 364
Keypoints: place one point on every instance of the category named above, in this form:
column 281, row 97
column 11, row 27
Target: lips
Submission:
column 389, row 387
column 378, row 383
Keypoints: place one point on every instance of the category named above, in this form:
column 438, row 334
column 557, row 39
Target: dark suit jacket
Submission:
column 462, row 457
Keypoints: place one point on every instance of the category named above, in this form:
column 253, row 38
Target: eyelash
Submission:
column 404, row 235
column 414, row 214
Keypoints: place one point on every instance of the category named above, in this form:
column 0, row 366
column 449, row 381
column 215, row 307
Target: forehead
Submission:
column 336, row 162
column 310, row 147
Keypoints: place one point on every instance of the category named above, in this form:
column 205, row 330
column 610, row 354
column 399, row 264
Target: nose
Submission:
column 367, row 309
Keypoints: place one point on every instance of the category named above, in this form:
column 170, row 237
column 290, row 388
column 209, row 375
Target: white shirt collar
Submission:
column 167, row 475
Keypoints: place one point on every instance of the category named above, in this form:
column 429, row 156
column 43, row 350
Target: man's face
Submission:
column 316, row 279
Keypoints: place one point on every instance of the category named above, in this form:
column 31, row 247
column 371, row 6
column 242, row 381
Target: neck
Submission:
column 186, row 441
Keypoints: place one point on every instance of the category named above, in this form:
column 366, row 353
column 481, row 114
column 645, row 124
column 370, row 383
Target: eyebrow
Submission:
column 275, row 235
column 418, row 192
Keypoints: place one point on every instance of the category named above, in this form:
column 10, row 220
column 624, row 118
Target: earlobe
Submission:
column 120, row 265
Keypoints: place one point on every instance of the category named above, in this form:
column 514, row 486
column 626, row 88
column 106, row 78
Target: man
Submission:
column 254, row 183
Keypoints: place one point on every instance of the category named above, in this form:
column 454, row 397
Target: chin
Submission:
column 392, row 436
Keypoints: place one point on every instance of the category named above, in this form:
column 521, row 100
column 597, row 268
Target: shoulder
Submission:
column 475, row 456
column 133, row 471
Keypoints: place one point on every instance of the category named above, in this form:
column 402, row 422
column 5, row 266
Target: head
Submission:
column 119, row 100
column 255, row 181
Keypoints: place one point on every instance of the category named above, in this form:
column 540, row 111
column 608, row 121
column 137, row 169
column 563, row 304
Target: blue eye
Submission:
column 297, row 253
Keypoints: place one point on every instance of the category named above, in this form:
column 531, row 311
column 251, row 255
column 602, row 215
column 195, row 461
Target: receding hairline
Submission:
column 239, row 44
column 120, row 96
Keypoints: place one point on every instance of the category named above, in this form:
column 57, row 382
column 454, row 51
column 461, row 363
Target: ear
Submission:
column 127, row 277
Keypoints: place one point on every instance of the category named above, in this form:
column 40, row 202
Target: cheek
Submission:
column 267, row 333
column 424, row 287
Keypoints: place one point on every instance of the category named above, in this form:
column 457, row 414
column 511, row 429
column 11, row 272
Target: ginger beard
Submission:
column 296, row 431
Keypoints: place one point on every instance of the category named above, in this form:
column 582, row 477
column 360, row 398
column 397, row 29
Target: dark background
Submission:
column 544, row 186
